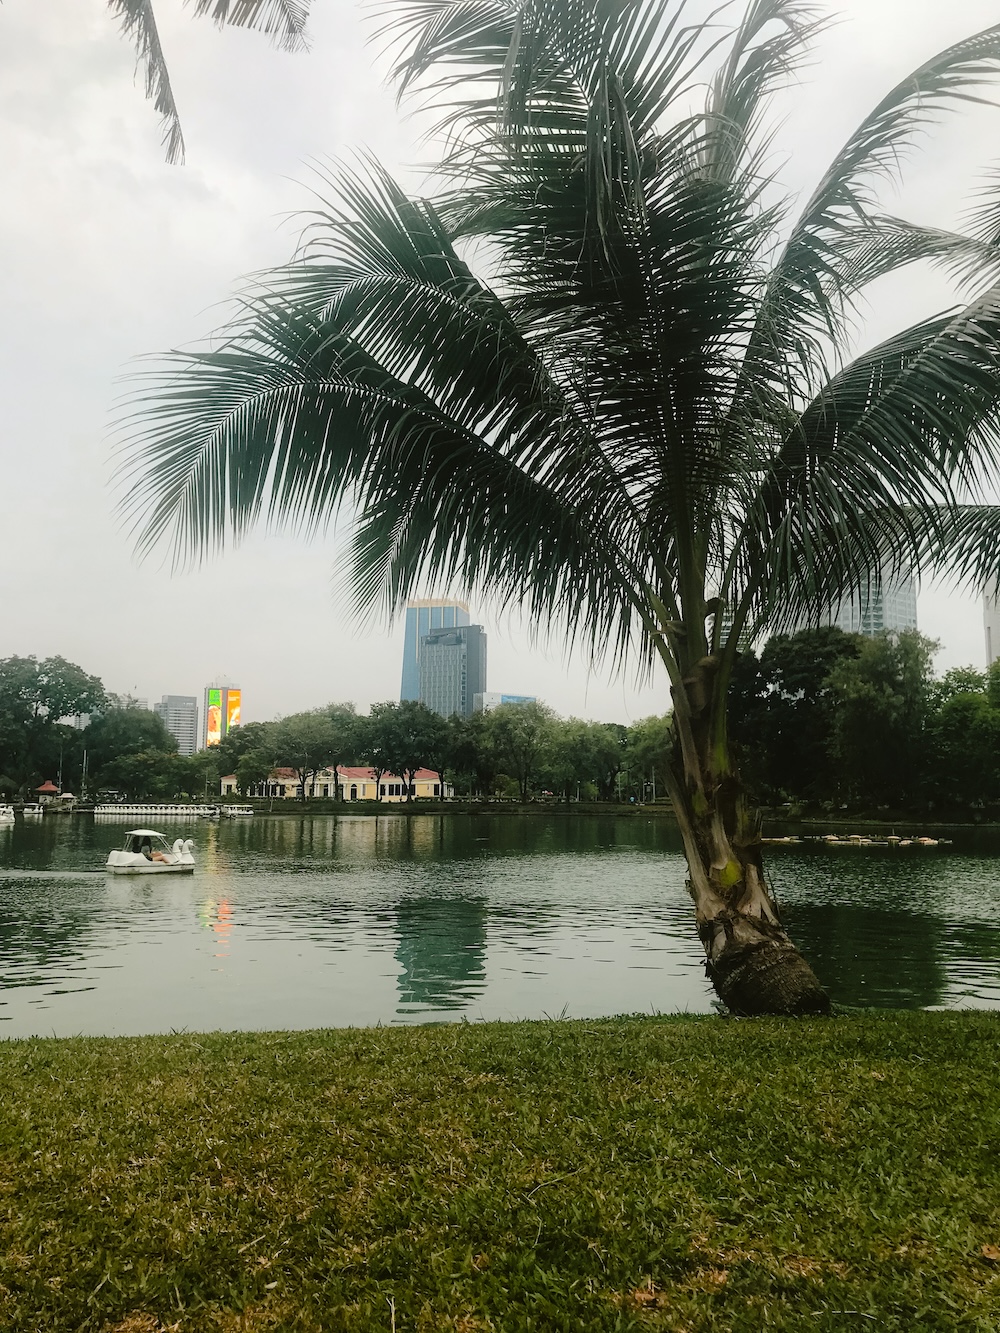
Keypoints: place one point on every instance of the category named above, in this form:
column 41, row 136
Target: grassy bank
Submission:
column 681, row 1174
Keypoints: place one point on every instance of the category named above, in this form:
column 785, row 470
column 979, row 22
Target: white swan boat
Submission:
column 6, row 814
column 147, row 852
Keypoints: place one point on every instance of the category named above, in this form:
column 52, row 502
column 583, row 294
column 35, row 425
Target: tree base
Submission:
column 765, row 975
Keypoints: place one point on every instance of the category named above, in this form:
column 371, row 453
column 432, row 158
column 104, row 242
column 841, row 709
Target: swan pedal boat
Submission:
column 131, row 860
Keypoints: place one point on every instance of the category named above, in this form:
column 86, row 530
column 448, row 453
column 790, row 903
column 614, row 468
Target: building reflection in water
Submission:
column 442, row 951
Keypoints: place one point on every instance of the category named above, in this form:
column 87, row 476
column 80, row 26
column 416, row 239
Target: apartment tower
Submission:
column 179, row 714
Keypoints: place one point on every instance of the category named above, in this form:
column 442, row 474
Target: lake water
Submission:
column 300, row 922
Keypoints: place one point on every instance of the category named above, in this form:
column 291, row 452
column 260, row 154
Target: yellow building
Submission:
column 357, row 784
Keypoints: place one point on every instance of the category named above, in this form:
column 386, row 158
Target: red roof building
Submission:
column 357, row 783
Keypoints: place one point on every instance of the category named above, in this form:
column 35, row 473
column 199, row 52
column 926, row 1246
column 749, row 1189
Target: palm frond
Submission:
column 138, row 25
column 882, row 452
column 766, row 49
column 282, row 20
column 433, row 423
column 810, row 288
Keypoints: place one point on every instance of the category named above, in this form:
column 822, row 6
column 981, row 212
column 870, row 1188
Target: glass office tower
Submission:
column 422, row 616
column 453, row 669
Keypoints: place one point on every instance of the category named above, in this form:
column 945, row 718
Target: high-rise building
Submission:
column 179, row 714
column 422, row 616
column 222, row 712
column 453, row 669
column 891, row 605
column 482, row 703
column 991, row 623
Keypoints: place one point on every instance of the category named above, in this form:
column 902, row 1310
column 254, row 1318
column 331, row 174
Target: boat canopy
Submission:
column 144, row 833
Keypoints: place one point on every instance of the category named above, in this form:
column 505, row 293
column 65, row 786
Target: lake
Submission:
column 302, row 921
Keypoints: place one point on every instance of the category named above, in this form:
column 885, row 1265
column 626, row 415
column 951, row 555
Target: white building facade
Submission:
column 179, row 714
column 991, row 623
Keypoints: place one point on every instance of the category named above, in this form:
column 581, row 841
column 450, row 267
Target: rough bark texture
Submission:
column 750, row 960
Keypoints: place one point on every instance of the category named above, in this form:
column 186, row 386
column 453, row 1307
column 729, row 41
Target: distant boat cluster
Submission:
column 857, row 840
column 167, row 810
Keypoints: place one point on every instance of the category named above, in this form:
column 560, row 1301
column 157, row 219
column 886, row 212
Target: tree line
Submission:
column 517, row 751
column 830, row 719
column 59, row 723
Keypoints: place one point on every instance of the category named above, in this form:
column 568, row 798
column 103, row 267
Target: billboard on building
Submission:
column 213, row 718
column 233, row 698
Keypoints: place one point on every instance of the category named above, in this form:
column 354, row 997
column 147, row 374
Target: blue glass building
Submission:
column 423, row 616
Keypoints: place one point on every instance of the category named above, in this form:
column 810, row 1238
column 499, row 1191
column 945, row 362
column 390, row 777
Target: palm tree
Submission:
column 608, row 374
column 283, row 20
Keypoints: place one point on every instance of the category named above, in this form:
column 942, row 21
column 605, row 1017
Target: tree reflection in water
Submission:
column 442, row 950
column 868, row 956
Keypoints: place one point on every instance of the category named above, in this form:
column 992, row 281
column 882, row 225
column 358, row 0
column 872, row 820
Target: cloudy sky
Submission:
column 109, row 254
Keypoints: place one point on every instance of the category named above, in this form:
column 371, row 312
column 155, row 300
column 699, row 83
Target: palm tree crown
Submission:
column 650, row 398
column 638, row 414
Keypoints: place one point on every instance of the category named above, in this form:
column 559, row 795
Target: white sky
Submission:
column 110, row 254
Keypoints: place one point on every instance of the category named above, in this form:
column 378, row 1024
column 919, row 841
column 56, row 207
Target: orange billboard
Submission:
column 233, row 698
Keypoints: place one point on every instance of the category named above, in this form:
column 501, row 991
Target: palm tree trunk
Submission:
column 750, row 960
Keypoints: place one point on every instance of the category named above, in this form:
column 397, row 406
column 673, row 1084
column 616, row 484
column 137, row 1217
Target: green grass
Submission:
column 681, row 1174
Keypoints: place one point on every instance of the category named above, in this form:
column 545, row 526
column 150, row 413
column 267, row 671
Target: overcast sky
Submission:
column 110, row 254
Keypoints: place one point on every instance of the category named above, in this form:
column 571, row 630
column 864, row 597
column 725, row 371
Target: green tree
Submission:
column 151, row 775
column 583, row 754
column 964, row 738
column 964, row 734
column 124, row 730
column 305, row 742
column 610, row 374
column 250, row 737
column 522, row 734
column 647, row 753
column 783, row 718
column 473, row 754
column 34, row 697
column 253, row 768
column 878, row 742
column 401, row 738
column 344, row 739
column 376, row 740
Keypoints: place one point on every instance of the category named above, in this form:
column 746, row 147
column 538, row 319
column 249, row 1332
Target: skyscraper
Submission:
column 991, row 622
column 453, row 669
column 179, row 713
column 223, row 704
column 422, row 616
column 892, row 605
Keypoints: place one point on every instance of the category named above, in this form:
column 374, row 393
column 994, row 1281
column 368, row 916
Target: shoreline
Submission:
column 771, row 820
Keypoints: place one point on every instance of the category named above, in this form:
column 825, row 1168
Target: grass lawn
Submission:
column 675, row 1173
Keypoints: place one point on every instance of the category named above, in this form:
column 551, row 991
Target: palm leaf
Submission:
column 138, row 25
column 282, row 20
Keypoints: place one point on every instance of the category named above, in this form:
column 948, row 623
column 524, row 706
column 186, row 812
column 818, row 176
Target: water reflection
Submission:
column 218, row 918
column 44, row 935
column 868, row 956
column 305, row 921
column 442, row 950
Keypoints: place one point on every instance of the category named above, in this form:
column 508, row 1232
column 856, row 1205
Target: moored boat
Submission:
column 147, row 852
column 6, row 814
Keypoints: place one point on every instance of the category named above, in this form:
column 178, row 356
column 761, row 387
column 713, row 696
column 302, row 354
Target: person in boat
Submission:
column 147, row 850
